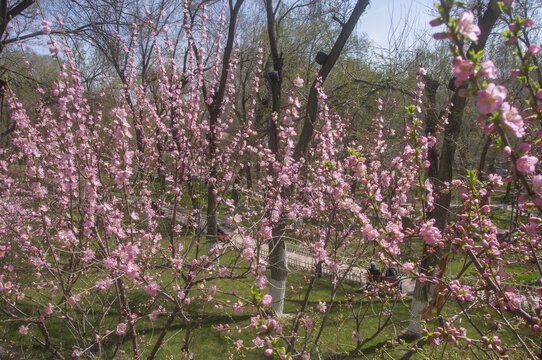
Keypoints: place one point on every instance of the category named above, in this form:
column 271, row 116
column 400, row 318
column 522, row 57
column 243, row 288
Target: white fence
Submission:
column 298, row 257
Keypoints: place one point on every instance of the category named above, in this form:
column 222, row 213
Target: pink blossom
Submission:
column 529, row 22
column 430, row 233
column 514, row 300
column 322, row 307
column 512, row 119
column 408, row 267
column 152, row 288
column 258, row 342
column 88, row 255
column 533, row 49
column 422, row 279
column 525, row 147
column 527, row 164
column 45, row 23
column 103, row 284
column 154, row 315
column 488, row 69
column 462, row 68
column 435, row 22
column 23, row 330
column 267, row 299
column 49, row 309
column 508, row 2
column 247, row 253
column 54, row 49
column 507, row 151
column 261, row 282
column 238, row 307
column 495, row 179
column 268, row 352
column 537, row 184
column 298, row 82
column 132, row 271
column 223, row 272
column 491, row 98
column 121, row 329
column 77, row 353
column 467, row 26
column 462, row 293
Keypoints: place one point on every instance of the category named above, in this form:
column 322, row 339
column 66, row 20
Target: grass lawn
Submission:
column 208, row 343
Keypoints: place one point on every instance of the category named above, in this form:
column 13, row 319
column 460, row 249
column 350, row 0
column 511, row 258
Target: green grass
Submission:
column 208, row 343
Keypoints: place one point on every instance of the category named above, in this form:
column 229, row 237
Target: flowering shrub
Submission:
column 97, row 234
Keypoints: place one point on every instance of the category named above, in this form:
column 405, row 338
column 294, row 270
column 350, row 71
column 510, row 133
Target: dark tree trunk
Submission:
column 312, row 103
column 278, row 263
column 214, row 114
column 483, row 157
column 444, row 174
column 248, row 175
column 277, row 248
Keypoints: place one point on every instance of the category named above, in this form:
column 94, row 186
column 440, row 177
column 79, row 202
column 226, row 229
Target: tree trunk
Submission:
column 277, row 251
column 277, row 247
column 214, row 113
column 327, row 66
column 422, row 295
column 279, row 269
column 483, row 157
column 248, row 174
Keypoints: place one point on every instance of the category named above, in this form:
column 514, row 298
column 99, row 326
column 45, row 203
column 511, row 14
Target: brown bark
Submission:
column 483, row 156
column 6, row 15
column 312, row 103
column 214, row 113
column 277, row 248
column 431, row 121
column 455, row 121
column 442, row 170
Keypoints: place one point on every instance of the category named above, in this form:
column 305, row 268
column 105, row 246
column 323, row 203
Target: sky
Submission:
column 382, row 16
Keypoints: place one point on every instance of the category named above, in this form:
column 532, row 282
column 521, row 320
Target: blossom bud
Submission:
column 525, row 148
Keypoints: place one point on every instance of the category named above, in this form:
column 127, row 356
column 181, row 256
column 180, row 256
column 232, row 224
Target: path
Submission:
column 299, row 257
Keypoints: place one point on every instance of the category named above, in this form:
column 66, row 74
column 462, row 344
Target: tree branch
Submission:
column 312, row 104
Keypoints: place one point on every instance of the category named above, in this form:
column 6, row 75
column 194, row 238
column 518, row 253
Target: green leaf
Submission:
column 256, row 293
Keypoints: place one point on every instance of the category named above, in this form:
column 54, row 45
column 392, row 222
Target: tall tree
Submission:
column 215, row 109
column 277, row 245
column 442, row 170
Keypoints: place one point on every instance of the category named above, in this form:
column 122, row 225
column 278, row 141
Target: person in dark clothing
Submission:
column 391, row 272
column 373, row 270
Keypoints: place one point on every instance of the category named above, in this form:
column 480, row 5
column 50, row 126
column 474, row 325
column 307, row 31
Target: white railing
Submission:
column 307, row 262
